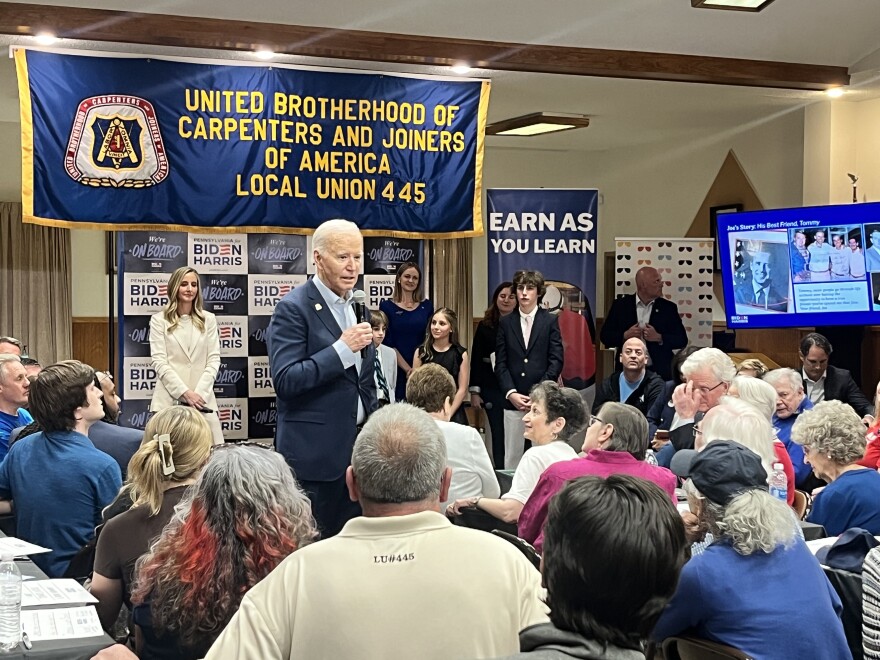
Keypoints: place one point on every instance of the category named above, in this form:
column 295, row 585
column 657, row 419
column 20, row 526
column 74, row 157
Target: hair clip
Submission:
column 167, row 462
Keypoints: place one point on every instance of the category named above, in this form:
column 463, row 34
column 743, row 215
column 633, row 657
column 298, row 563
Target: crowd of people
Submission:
column 348, row 538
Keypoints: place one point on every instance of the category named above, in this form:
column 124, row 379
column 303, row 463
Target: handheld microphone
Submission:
column 360, row 311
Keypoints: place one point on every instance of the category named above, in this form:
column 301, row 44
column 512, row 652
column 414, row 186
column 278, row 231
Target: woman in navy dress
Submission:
column 408, row 314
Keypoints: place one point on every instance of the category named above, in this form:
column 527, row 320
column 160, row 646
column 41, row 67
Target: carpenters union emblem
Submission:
column 115, row 142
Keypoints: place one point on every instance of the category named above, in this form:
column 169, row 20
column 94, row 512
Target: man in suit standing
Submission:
column 648, row 316
column 321, row 360
column 824, row 382
column 528, row 351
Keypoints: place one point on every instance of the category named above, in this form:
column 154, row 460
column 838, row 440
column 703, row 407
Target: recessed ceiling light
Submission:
column 45, row 38
column 835, row 92
column 736, row 5
column 265, row 54
column 538, row 123
column 461, row 69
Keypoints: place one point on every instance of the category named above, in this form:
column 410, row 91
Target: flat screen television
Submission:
column 809, row 266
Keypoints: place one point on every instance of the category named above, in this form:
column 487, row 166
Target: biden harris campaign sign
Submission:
column 154, row 143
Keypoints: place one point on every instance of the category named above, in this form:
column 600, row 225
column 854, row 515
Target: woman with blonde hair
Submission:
column 177, row 443
column 185, row 347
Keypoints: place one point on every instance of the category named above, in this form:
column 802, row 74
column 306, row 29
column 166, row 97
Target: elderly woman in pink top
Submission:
column 616, row 443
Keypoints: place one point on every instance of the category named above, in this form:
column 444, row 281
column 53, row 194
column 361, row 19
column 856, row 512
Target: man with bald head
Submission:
column 648, row 316
column 634, row 385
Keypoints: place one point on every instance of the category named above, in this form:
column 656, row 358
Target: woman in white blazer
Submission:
column 185, row 347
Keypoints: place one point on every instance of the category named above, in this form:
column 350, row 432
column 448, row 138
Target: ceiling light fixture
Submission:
column 45, row 38
column 735, row 5
column 538, row 123
column 834, row 92
column 461, row 69
column 265, row 54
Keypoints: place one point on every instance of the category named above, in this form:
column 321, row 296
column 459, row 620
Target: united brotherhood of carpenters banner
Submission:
column 140, row 143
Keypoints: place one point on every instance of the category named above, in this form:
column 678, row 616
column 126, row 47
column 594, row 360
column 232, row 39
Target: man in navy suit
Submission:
column 321, row 360
column 650, row 317
column 528, row 350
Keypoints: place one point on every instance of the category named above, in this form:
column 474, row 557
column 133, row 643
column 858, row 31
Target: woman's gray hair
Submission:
column 739, row 421
column 833, row 429
column 399, row 456
column 248, row 482
column 721, row 366
column 563, row 402
column 327, row 231
column 630, row 429
column 753, row 521
column 788, row 376
column 760, row 394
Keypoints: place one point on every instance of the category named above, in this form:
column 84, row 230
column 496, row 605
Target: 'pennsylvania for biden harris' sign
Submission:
column 145, row 143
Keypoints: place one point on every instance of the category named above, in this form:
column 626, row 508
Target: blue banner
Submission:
column 141, row 144
column 553, row 231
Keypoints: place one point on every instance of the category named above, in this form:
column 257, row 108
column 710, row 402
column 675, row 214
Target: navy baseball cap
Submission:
column 725, row 469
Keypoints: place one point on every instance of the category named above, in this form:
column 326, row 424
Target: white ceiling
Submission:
column 625, row 113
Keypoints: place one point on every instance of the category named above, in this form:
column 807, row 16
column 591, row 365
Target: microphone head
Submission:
column 359, row 297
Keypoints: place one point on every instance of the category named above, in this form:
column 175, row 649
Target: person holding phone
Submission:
column 185, row 348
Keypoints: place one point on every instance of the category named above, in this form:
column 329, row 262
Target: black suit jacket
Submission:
column 665, row 320
column 520, row 367
column 840, row 386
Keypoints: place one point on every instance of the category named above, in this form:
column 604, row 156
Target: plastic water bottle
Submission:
column 10, row 604
column 650, row 458
column 779, row 483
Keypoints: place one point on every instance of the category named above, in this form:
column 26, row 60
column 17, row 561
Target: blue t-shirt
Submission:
column 627, row 388
column 795, row 451
column 851, row 500
column 747, row 601
column 7, row 424
column 59, row 483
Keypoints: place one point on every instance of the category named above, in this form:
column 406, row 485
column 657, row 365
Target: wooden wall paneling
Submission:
column 90, row 341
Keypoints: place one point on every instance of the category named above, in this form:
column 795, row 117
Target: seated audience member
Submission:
column 58, row 480
column 555, row 414
column 602, row 608
column 871, row 458
column 708, row 374
column 616, row 443
column 833, row 439
column 14, row 386
column 32, row 367
column 117, row 441
column 661, row 415
column 242, row 517
column 385, row 366
column 10, row 346
column 762, row 396
column 871, row 605
column 790, row 403
column 757, row 567
column 431, row 388
column 445, row 591
column 824, row 382
column 752, row 368
column 178, row 443
column 634, row 385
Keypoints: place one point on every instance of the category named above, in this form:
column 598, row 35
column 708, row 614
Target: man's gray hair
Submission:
column 399, row 456
column 5, row 359
column 722, row 367
column 742, row 423
column 833, row 429
column 788, row 376
column 327, row 231
column 758, row 393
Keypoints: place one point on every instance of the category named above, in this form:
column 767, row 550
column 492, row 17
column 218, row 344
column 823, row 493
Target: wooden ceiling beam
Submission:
column 214, row 33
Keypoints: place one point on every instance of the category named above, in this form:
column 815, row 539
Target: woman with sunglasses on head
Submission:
column 185, row 347
column 408, row 313
column 177, row 443
column 242, row 517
